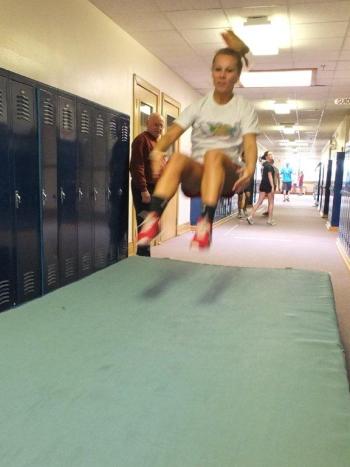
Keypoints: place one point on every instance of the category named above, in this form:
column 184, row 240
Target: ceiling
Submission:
column 184, row 34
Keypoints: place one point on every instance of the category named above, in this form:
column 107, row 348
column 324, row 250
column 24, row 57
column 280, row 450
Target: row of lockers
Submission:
column 63, row 188
column 344, row 222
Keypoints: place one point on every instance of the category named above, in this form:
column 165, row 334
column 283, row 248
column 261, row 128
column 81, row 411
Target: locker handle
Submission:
column 109, row 194
column 95, row 193
column 80, row 194
column 18, row 199
column 63, row 195
column 43, row 196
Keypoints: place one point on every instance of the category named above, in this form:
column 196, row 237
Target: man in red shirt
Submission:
column 142, row 180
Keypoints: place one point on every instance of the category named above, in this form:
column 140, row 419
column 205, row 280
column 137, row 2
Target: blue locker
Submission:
column 67, row 190
column 25, row 156
column 325, row 188
column 100, row 194
column 118, row 180
column 47, row 118
column 335, row 189
column 7, row 267
column 85, row 213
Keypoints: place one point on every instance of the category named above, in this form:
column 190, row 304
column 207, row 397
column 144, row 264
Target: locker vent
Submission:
column 4, row 292
column 113, row 132
column 86, row 262
column 125, row 133
column 23, row 107
column 123, row 248
column 100, row 258
column 28, row 283
column 85, row 122
column 69, row 267
column 99, row 126
column 1, row 104
column 49, row 112
column 51, row 275
column 67, row 118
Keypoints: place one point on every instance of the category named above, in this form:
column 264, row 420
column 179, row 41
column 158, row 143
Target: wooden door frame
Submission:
column 139, row 82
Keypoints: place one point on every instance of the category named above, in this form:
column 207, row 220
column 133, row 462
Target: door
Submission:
column 170, row 111
column 7, row 270
column 25, row 155
column 146, row 101
column 67, row 190
column 47, row 118
column 84, row 192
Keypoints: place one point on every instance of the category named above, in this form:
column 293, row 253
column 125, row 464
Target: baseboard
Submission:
column 131, row 249
column 332, row 228
column 183, row 228
column 343, row 253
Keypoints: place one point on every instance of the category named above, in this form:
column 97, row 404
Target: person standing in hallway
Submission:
column 142, row 180
column 223, row 126
column 267, row 189
column 286, row 174
column 301, row 183
column 277, row 182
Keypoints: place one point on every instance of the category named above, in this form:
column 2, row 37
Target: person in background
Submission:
column 301, row 183
column 277, row 182
column 223, row 126
column 142, row 180
column 286, row 175
column 267, row 189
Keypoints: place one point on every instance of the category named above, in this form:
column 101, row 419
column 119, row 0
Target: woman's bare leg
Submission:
column 261, row 198
column 271, row 203
column 219, row 176
column 178, row 167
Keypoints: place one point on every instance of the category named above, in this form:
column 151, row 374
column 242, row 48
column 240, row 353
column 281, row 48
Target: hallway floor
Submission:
column 299, row 240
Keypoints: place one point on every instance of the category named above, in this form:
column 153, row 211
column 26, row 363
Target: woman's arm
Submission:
column 250, row 155
column 157, row 155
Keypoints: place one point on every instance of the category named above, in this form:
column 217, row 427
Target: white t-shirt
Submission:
column 217, row 126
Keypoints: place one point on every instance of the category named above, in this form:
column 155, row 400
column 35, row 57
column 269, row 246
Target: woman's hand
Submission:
column 244, row 179
column 234, row 42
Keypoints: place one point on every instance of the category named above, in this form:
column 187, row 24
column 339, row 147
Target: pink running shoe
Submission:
column 202, row 237
column 150, row 229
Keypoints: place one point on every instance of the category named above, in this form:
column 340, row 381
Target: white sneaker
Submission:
column 250, row 220
column 240, row 215
column 271, row 222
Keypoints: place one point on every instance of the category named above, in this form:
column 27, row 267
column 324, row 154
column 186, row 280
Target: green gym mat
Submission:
column 162, row 363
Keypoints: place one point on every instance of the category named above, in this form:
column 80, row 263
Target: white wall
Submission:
column 71, row 45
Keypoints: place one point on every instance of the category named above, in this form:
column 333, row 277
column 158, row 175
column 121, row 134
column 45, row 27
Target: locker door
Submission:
column 47, row 108
column 24, row 153
column 67, row 190
column 118, row 156
column 7, row 280
column 84, row 124
column 100, row 193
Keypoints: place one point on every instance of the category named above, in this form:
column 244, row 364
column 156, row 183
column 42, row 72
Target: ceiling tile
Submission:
column 146, row 22
column 178, row 5
column 249, row 5
column 320, row 12
column 198, row 19
column 318, row 30
column 170, row 39
column 203, row 36
column 115, row 7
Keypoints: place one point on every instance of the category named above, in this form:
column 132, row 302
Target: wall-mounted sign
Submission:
column 342, row 101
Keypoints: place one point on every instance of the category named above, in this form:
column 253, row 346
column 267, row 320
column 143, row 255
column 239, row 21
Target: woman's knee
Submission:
column 178, row 161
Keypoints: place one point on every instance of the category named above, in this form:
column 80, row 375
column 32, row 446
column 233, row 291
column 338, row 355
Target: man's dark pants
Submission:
column 141, row 211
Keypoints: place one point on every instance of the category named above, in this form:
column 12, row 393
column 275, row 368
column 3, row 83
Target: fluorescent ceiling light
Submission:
column 260, row 36
column 288, row 129
column 271, row 79
column 264, row 35
column 281, row 108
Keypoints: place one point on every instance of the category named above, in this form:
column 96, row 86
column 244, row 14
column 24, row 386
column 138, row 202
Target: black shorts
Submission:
column 265, row 187
column 286, row 186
